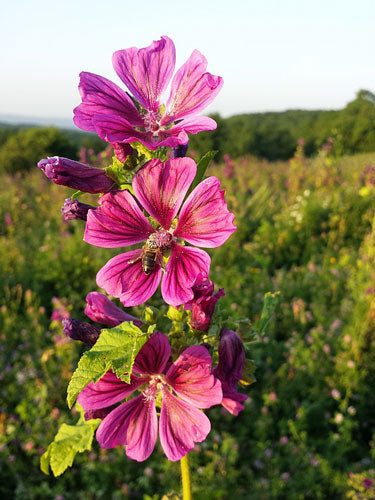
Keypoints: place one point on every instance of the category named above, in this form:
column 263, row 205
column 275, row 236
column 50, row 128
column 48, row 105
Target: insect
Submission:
column 151, row 255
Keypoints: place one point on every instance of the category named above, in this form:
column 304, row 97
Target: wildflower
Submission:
column 118, row 118
column 336, row 394
column 284, row 440
column 367, row 483
column 75, row 175
column 204, row 220
column 74, row 209
column 285, row 476
column 135, row 423
column 339, row 418
column 272, row 397
column 229, row 370
column 203, row 304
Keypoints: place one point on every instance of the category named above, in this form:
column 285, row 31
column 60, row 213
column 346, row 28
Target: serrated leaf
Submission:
column 202, row 166
column 115, row 349
column 270, row 302
column 69, row 440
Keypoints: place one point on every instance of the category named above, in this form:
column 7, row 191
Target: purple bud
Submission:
column 203, row 303
column 75, row 209
column 180, row 150
column 229, row 370
column 79, row 330
column 99, row 308
column 75, row 175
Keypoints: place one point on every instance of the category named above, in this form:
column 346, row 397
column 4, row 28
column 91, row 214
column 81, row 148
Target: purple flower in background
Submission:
column 367, row 483
column 112, row 113
column 204, row 220
column 75, row 175
column 203, row 304
column 74, row 209
column 229, row 370
column 135, row 423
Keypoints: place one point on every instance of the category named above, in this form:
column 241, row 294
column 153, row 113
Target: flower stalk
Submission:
column 185, row 478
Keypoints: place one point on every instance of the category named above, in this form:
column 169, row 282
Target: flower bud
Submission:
column 203, row 303
column 74, row 209
column 99, row 308
column 180, row 150
column 75, row 175
column 80, row 330
column 229, row 370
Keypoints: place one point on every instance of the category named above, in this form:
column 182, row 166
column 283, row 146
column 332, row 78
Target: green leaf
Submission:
column 115, row 349
column 201, row 169
column 69, row 440
column 76, row 195
column 270, row 302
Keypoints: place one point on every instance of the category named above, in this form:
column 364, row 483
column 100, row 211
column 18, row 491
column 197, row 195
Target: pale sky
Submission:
column 272, row 54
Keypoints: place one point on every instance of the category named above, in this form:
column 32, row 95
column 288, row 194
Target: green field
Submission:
column 305, row 228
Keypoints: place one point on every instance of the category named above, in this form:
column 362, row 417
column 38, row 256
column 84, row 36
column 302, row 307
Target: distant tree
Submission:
column 22, row 150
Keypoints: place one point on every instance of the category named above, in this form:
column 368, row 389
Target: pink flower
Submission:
column 203, row 304
column 229, row 370
column 135, row 423
column 111, row 112
column 204, row 220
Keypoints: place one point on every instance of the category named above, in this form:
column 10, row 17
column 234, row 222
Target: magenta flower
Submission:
column 204, row 220
column 111, row 112
column 135, row 423
column 203, row 304
column 229, row 370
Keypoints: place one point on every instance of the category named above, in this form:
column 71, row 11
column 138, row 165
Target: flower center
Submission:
column 160, row 239
column 152, row 122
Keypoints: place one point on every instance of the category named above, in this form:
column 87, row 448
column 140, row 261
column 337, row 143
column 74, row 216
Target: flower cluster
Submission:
column 160, row 206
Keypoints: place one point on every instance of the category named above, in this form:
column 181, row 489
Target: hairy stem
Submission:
column 185, row 476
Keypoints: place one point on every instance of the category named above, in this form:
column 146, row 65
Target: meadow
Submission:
column 305, row 229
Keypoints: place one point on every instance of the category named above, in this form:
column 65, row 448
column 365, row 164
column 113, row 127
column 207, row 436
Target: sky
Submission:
column 273, row 54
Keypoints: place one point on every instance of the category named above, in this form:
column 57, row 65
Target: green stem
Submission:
column 185, row 476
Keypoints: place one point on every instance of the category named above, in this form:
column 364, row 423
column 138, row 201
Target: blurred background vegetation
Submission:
column 305, row 228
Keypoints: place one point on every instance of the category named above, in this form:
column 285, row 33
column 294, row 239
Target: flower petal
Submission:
column 184, row 264
column 146, row 72
column 117, row 222
column 99, row 308
column 161, row 187
column 232, row 405
column 113, row 128
column 204, row 218
column 153, row 356
column 191, row 125
column 181, row 425
column 190, row 377
column 134, row 424
column 107, row 391
column 101, row 96
column 192, row 89
column 123, row 277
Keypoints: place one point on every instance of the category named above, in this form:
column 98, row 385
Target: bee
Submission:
column 151, row 255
